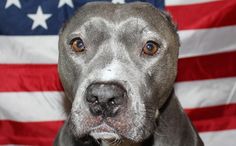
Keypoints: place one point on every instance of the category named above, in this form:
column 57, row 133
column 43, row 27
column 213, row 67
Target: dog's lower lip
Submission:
column 103, row 128
column 104, row 132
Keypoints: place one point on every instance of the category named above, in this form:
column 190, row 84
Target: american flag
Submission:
column 31, row 96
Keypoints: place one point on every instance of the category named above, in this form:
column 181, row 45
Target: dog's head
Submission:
column 117, row 64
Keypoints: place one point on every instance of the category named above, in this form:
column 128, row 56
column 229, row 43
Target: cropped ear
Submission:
column 166, row 15
column 62, row 28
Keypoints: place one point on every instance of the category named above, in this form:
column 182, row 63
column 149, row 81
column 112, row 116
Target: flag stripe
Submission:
column 216, row 124
column 212, row 112
column 29, row 49
column 44, row 77
column 213, row 118
column 212, row 14
column 207, row 67
column 31, row 133
column 13, row 145
column 29, row 77
column 32, row 106
column 204, row 93
column 184, row 2
column 207, row 41
column 26, row 141
column 219, row 138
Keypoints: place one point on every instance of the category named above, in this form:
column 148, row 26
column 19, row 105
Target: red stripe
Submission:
column 28, row 77
column 204, row 15
column 217, row 124
column 30, row 133
column 45, row 77
column 207, row 67
column 213, row 118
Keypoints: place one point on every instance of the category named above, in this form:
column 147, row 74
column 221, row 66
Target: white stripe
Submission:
column 207, row 41
column 32, row 106
column 43, row 49
column 28, row 49
column 219, row 138
column 206, row 92
column 186, row 2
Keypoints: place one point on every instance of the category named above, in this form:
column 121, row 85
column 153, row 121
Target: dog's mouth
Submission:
column 104, row 132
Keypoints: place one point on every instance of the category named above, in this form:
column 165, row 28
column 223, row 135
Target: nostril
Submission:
column 112, row 101
column 96, row 110
column 92, row 99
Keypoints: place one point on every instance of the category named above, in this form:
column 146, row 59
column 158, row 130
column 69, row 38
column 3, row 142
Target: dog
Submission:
column 118, row 64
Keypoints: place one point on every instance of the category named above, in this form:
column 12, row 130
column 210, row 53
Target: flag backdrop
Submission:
column 31, row 96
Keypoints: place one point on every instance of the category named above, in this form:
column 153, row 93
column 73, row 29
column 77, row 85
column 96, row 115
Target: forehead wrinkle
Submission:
column 138, row 27
column 115, row 24
column 94, row 22
column 139, row 23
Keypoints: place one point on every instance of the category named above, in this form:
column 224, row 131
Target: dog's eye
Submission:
column 150, row 48
column 77, row 45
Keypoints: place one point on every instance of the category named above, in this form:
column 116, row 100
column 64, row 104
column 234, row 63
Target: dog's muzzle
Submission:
column 105, row 99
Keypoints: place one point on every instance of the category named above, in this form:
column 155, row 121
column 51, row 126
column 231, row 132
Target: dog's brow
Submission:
column 132, row 19
column 143, row 28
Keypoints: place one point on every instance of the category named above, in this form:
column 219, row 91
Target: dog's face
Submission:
column 117, row 64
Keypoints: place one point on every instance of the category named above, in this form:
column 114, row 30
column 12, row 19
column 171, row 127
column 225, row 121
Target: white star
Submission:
column 118, row 1
column 13, row 2
column 39, row 18
column 63, row 2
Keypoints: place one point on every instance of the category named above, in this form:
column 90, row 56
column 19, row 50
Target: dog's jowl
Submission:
column 117, row 64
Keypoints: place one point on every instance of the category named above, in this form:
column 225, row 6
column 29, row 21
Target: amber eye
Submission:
column 77, row 45
column 150, row 48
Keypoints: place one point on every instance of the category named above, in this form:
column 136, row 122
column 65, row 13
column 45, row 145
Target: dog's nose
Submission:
column 105, row 98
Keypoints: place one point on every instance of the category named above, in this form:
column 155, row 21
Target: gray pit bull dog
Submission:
column 117, row 64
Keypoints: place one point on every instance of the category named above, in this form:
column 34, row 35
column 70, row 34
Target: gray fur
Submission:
column 114, row 36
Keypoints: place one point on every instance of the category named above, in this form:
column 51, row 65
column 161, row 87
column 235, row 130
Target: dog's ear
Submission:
column 170, row 21
column 62, row 28
column 166, row 15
